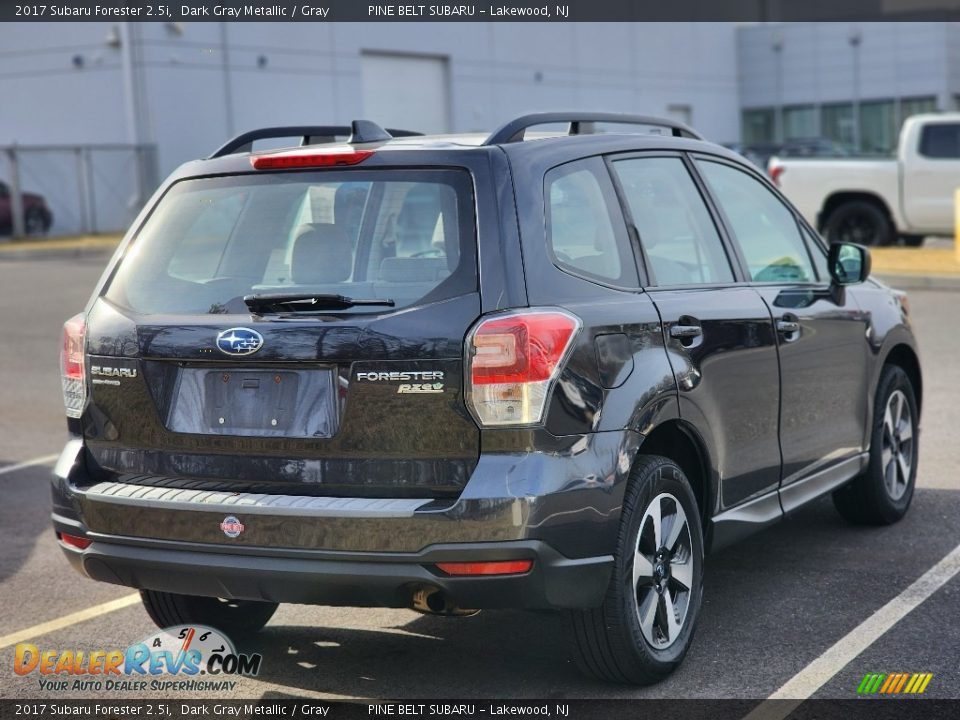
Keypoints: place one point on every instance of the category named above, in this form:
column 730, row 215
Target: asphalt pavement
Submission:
column 772, row 604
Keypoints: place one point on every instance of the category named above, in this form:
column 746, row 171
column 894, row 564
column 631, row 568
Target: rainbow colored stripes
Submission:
column 894, row 683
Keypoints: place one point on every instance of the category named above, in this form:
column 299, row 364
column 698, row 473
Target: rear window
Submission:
column 940, row 141
column 400, row 235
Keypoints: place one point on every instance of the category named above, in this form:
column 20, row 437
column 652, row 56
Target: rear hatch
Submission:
column 291, row 332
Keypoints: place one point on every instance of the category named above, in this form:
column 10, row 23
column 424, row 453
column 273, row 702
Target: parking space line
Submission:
column 68, row 620
column 45, row 460
column 815, row 675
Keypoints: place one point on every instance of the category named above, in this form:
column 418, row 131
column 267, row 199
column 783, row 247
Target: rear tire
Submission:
column 882, row 494
column 859, row 221
column 236, row 618
column 658, row 567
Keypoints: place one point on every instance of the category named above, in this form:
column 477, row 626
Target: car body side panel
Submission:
column 824, row 377
column 888, row 325
column 728, row 380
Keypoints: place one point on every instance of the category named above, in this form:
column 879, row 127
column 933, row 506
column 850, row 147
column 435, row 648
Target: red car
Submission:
column 37, row 216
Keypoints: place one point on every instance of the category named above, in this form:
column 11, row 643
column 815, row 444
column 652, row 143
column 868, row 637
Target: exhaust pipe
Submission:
column 433, row 601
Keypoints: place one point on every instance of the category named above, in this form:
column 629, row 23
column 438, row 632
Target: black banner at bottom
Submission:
column 631, row 709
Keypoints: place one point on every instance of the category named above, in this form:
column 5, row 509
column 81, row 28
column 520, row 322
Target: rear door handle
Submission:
column 685, row 332
column 787, row 326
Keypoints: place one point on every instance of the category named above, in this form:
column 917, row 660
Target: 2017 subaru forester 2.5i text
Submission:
column 532, row 370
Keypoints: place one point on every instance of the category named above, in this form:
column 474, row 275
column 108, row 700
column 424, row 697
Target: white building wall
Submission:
column 279, row 73
column 818, row 64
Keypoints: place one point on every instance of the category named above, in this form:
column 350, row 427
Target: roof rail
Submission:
column 359, row 131
column 581, row 124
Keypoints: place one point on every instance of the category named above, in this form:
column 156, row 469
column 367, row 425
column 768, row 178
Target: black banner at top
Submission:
column 481, row 11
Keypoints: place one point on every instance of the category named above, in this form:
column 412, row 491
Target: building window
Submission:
column 878, row 127
column 800, row 122
column 916, row 106
column 836, row 123
column 759, row 126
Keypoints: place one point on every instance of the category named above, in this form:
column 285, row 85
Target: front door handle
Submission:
column 789, row 327
column 685, row 332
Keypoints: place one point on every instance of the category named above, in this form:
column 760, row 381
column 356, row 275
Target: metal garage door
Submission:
column 406, row 91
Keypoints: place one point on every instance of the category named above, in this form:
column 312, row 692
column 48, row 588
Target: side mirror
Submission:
column 849, row 263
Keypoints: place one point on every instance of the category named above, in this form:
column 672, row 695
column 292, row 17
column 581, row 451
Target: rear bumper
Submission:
column 559, row 509
column 360, row 580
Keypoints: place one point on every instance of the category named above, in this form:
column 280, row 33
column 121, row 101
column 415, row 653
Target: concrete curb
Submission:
column 921, row 282
column 80, row 247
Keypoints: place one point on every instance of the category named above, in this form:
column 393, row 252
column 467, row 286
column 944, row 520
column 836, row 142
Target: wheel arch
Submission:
column 841, row 197
column 905, row 357
column 680, row 442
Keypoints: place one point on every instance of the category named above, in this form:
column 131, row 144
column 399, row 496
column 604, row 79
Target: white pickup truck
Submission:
column 878, row 201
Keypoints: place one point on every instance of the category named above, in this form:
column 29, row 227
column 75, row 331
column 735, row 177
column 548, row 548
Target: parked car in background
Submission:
column 877, row 201
column 812, row 147
column 37, row 216
column 757, row 153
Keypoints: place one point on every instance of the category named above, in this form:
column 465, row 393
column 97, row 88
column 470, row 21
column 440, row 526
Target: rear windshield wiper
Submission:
column 307, row 302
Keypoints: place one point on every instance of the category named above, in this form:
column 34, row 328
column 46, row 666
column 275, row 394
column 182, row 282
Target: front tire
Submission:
column 861, row 222
column 237, row 618
column 36, row 223
column 645, row 626
column 882, row 494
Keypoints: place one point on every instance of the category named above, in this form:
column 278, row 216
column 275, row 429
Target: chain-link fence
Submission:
column 73, row 189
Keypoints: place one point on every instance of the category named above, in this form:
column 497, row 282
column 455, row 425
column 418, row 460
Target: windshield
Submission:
column 402, row 235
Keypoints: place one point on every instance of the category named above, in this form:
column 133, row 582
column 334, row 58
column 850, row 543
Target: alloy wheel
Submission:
column 897, row 446
column 663, row 571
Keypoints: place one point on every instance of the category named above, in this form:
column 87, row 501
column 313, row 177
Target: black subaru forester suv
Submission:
column 540, row 370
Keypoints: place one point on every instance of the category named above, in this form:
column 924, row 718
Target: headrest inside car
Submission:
column 322, row 253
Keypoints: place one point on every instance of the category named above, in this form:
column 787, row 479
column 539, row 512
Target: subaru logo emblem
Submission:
column 231, row 526
column 239, row 341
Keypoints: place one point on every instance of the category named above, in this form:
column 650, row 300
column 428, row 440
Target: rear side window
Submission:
column 585, row 226
column 680, row 241
column 765, row 228
column 940, row 141
column 402, row 235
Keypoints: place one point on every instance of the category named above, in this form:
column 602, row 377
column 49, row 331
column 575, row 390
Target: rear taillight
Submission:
column 512, row 361
column 73, row 365
column 775, row 172
column 309, row 158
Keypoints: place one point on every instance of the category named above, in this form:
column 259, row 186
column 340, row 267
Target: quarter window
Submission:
column 680, row 241
column 765, row 228
column 586, row 233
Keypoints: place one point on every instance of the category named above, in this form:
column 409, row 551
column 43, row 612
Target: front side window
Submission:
column 765, row 228
column 680, row 241
column 583, row 236
column 400, row 235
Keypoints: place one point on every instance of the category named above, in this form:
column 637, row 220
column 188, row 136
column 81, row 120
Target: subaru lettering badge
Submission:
column 239, row 341
column 231, row 526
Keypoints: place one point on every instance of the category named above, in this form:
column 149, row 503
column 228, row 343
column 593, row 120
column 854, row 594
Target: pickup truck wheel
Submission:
column 237, row 618
column 643, row 629
column 859, row 221
column 882, row 494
